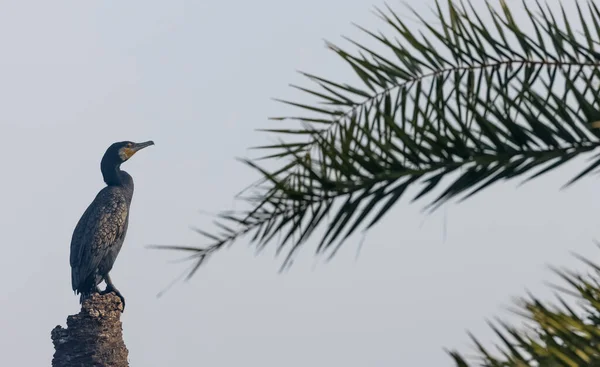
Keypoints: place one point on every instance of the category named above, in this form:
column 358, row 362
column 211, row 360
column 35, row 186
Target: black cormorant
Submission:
column 100, row 232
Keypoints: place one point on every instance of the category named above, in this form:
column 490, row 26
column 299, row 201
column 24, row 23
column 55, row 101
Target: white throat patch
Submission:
column 124, row 153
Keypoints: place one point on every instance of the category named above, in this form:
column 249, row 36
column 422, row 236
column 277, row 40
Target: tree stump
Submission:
column 93, row 337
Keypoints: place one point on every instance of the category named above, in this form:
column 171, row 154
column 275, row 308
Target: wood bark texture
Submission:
column 93, row 337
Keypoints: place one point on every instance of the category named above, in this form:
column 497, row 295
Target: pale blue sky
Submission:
column 197, row 78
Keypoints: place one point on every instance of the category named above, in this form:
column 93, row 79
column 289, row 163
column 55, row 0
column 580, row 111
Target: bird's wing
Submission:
column 101, row 225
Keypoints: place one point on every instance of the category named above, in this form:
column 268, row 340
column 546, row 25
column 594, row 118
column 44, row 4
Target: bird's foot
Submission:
column 114, row 290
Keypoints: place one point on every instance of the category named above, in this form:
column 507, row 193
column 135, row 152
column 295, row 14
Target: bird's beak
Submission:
column 140, row 146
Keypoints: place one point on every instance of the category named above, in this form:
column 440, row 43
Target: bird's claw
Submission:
column 114, row 290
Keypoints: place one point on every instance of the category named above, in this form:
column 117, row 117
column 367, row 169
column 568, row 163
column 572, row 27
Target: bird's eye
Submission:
column 129, row 145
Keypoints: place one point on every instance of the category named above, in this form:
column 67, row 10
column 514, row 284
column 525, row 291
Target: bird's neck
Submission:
column 114, row 176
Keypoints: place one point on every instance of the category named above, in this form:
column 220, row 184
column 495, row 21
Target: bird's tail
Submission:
column 84, row 288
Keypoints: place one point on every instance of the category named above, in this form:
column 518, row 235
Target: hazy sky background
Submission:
column 197, row 78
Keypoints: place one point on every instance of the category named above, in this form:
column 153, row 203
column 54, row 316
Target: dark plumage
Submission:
column 100, row 232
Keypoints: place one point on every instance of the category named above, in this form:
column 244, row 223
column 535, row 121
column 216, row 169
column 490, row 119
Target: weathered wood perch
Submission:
column 93, row 337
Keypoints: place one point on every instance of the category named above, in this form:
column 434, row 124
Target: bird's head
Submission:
column 120, row 152
column 117, row 154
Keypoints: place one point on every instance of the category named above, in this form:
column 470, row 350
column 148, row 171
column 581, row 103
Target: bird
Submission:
column 100, row 232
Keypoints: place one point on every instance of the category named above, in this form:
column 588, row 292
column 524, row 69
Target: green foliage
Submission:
column 558, row 335
column 443, row 110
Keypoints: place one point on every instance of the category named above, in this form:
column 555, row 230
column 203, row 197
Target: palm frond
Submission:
column 559, row 335
column 450, row 108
